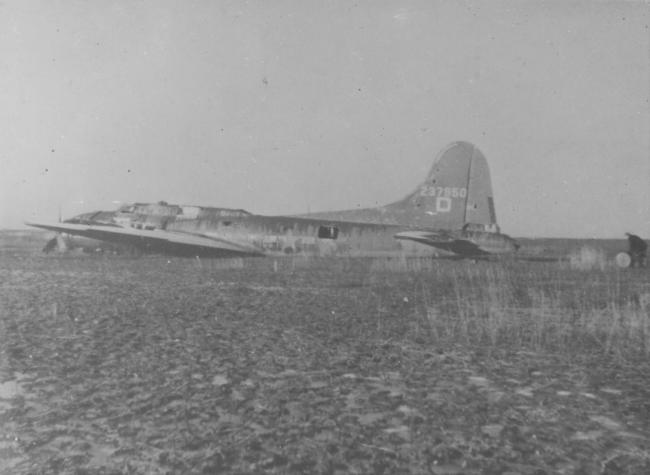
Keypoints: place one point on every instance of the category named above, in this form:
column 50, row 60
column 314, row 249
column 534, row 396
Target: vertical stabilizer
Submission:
column 456, row 192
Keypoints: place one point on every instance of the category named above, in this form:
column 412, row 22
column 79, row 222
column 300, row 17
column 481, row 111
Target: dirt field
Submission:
column 154, row 365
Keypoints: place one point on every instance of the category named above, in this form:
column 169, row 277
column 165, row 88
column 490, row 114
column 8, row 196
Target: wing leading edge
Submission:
column 157, row 240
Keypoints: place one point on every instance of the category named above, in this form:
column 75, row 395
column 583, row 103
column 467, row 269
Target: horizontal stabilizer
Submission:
column 445, row 241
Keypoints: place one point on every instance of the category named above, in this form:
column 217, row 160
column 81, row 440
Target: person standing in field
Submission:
column 638, row 250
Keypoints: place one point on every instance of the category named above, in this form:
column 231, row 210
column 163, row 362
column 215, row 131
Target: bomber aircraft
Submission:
column 450, row 213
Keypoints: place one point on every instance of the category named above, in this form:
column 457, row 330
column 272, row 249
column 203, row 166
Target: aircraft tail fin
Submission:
column 457, row 193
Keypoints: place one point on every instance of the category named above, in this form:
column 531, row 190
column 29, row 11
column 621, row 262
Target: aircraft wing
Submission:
column 444, row 241
column 157, row 240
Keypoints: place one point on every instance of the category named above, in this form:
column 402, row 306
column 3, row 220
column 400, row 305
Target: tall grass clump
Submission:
column 538, row 307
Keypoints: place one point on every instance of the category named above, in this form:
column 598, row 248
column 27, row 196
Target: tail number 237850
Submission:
column 447, row 192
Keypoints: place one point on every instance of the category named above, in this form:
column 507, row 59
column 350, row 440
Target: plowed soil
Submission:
column 154, row 365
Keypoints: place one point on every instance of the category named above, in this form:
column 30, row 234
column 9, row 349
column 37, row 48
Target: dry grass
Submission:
column 589, row 258
column 580, row 306
column 539, row 307
column 403, row 264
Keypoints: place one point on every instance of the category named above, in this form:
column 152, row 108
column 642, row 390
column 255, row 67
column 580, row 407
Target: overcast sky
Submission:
column 289, row 106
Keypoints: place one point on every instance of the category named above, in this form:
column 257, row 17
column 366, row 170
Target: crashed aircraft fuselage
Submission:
column 451, row 212
column 269, row 235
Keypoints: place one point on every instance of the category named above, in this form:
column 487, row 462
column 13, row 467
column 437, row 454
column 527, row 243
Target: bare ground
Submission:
column 155, row 365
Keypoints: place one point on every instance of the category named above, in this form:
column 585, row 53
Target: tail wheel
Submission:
column 623, row 260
